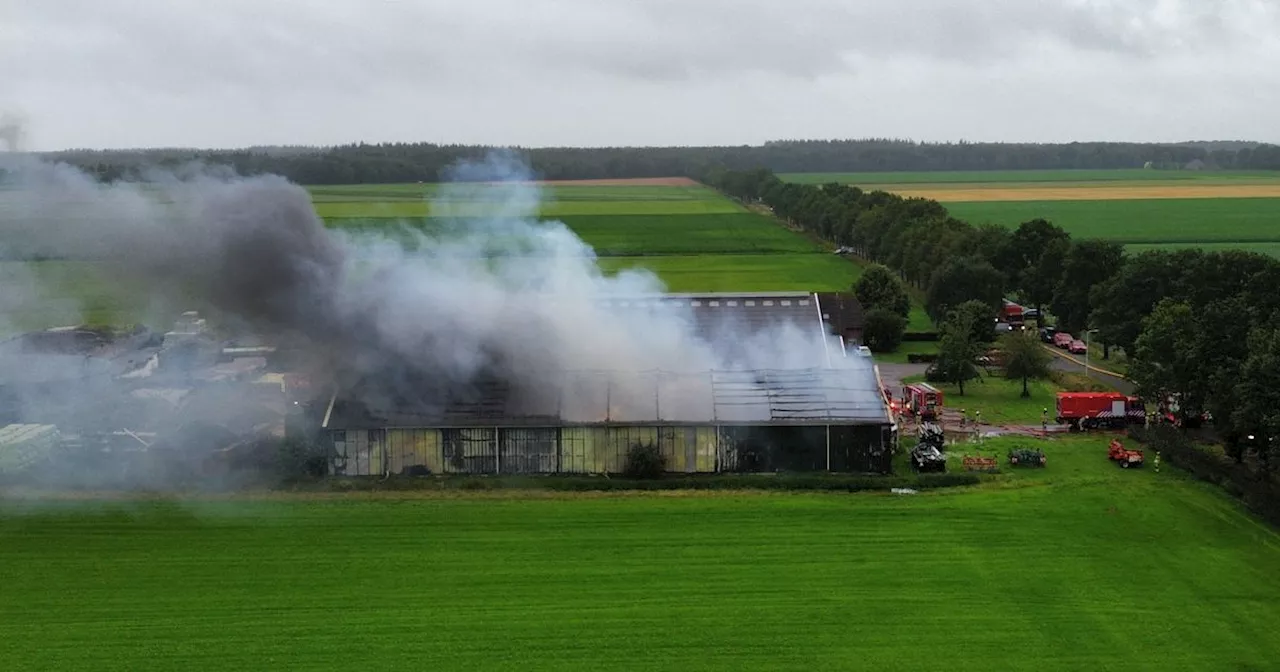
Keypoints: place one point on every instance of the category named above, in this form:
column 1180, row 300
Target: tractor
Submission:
column 1125, row 457
column 1026, row 457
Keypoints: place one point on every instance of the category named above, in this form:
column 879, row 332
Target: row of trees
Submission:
column 426, row 162
column 951, row 260
column 1202, row 327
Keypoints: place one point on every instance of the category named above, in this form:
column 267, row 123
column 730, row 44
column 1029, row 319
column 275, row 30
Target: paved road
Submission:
column 1065, row 361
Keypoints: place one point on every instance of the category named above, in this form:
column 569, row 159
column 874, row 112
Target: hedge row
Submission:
column 920, row 336
column 1261, row 495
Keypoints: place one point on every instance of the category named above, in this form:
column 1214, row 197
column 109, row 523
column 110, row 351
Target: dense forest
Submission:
column 424, row 162
column 1199, row 327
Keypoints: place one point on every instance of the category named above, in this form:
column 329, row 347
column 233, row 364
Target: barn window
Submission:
column 768, row 303
column 732, row 303
column 786, row 302
column 695, row 303
column 750, row 303
column 714, row 304
column 804, row 302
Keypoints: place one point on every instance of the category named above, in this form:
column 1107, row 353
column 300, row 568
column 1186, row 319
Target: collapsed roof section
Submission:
column 762, row 397
column 843, row 392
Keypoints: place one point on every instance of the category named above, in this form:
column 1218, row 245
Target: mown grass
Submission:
column 1272, row 249
column 611, row 235
column 1014, row 177
column 418, row 192
column 744, row 272
column 415, row 209
column 1078, row 566
column 999, row 400
column 1237, row 221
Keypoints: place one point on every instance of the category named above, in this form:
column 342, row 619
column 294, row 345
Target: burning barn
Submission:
column 788, row 417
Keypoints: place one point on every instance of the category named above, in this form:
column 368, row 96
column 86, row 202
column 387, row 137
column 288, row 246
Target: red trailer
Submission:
column 922, row 400
column 1086, row 410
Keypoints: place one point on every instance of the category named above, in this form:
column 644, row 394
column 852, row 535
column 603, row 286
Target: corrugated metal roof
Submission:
column 12, row 435
column 845, row 395
column 761, row 397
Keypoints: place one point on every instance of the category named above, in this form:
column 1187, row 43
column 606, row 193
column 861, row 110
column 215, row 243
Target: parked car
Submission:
column 1062, row 340
column 1046, row 334
column 1077, row 347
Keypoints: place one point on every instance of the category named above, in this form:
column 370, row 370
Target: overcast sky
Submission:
column 143, row 73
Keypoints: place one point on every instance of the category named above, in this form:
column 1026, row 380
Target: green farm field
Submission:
column 1078, row 566
column 1038, row 177
column 1239, row 221
column 1144, row 209
column 693, row 238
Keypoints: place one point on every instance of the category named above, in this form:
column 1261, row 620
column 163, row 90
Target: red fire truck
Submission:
column 922, row 400
column 1087, row 410
column 1012, row 314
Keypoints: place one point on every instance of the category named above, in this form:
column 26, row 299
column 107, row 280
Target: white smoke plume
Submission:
column 487, row 292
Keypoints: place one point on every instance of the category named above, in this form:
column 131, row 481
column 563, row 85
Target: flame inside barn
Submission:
column 825, row 418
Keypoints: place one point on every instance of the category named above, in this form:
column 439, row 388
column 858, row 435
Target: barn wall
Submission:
column 595, row 450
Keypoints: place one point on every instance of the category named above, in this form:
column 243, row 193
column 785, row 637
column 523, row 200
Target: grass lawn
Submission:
column 899, row 356
column 1078, row 566
column 1000, row 400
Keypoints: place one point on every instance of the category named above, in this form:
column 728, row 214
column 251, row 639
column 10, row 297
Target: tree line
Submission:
column 427, row 162
column 1202, row 328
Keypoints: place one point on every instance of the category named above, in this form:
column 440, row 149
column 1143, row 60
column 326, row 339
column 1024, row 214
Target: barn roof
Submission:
column 757, row 397
column 846, row 392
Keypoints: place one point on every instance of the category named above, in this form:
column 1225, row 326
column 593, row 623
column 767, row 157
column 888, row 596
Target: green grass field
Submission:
column 1079, row 566
column 1233, row 221
column 411, row 209
column 627, row 235
column 1038, row 177
column 693, row 238
column 1150, row 222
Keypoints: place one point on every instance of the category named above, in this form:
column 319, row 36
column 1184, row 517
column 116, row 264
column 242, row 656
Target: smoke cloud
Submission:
column 485, row 291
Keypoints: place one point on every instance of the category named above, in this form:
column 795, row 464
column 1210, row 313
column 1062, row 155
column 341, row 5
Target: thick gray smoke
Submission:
column 11, row 133
column 486, row 291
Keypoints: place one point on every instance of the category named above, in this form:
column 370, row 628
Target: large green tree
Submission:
column 957, row 351
column 1024, row 248
column 1122, row 301
column 1024, row 358
column 1164, row 358
column 1040, row 280
column 1257, row 411
column 963, row 279
column 1089, row 263
column 983, row 318
column 882, row 330
column 879, row 287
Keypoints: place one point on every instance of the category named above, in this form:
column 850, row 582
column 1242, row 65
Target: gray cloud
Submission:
column 243, row 72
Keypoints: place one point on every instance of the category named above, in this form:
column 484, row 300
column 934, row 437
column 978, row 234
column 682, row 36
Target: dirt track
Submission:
column 978, row 194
